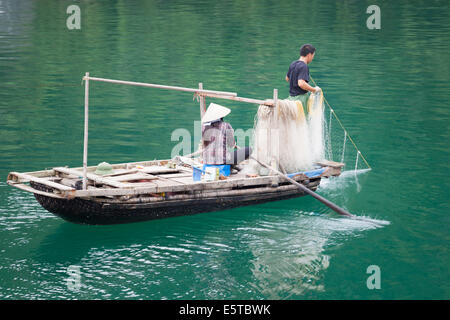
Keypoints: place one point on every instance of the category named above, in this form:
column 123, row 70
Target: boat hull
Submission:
column 95, row 212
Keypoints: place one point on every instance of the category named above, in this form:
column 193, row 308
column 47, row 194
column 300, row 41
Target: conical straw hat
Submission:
column 215, row 112
column 104, row 168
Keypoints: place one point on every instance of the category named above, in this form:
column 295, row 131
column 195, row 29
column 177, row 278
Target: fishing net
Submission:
column 292, row 137
column 288, row 136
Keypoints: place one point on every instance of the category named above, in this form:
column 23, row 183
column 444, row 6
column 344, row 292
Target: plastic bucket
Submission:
column 197, row 174
column 211, row 174
column 224, row 169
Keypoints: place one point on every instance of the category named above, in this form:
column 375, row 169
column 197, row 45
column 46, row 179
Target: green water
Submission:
column 390, row 88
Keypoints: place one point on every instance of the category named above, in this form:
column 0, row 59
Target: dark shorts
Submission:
column 240, row 155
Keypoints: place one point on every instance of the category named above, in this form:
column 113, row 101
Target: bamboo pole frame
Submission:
column 160, row 86
column 202, row 93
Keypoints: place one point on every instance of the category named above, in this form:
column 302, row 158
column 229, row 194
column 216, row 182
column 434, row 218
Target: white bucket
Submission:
column 211, row 174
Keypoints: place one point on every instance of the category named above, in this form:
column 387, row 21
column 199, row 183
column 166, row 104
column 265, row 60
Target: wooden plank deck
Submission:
column 133, row 176
column 92, row 176
column 130, row 179
column 329, row 163
column 158, row 170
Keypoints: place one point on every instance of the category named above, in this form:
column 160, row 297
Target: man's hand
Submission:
column 317, row 90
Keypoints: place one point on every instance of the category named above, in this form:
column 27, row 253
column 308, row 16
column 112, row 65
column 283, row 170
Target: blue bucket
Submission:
column 197, row 173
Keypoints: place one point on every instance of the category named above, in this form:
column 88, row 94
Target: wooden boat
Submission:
column 148, row 190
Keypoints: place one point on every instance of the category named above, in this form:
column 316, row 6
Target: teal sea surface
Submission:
column 390, row 88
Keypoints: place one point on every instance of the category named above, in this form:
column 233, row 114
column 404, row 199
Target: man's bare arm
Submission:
column 305, row 86
column 287, row 79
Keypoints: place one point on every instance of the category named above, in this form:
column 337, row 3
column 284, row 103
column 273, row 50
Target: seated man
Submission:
column 218, row 138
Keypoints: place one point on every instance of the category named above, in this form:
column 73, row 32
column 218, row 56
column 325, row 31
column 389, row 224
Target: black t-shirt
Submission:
column 298, row 70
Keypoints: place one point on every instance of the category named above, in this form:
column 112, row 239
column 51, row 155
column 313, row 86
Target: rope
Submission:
column 342, row 126
column 343, row 147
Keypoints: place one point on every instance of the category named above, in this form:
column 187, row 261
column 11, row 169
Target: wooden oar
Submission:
column 328, row 203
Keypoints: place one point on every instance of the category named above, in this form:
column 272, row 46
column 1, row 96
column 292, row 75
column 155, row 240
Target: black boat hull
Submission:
column 97, row 213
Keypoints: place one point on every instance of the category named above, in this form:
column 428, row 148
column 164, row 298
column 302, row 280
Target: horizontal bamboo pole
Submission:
column 151, row 85
column 23, row 177
column 213, row 193
column 267, row 102
column 41, row 173
column 30, row 189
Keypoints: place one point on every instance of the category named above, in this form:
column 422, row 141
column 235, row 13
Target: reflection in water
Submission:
column 281, row 254
column 301, row 243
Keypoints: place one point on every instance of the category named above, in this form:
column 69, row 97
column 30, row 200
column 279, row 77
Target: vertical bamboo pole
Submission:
column 202, row 101
column 269, row 143
column 274, row 156
column 275, row 97
column 202, row 113
column 86, row 122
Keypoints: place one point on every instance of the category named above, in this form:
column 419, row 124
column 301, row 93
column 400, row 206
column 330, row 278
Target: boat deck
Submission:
column 153, row 178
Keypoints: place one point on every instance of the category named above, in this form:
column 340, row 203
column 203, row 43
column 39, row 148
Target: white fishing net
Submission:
column 288, row 136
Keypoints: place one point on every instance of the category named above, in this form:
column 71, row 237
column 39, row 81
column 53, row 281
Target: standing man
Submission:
column 298, row 75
